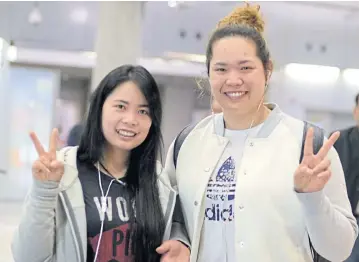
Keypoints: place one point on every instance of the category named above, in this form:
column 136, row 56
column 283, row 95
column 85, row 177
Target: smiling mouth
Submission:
column 236, row 95
column 126, row 133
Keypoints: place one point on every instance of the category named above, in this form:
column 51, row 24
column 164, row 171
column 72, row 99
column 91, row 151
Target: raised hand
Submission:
column 46, row 167
column 314, row 171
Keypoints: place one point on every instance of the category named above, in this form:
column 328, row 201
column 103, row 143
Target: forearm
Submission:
column 332, row 229
column 34, row 239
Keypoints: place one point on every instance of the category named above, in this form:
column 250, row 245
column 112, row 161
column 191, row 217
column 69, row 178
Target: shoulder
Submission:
column 292, row 122
column 68, row 155
column 347, row 131
column 200, row 126
column 291, row 127
column 163, row 177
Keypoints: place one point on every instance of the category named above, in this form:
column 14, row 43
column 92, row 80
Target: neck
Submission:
column 115, row 161
column 237, row 121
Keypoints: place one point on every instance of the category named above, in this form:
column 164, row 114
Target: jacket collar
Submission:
column 269, row 124
column 68, row 156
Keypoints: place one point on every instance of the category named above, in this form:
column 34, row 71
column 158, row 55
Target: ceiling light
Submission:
column 172, row 3
column 351, row 76
column 35, row 16
column 79, row 15
column 312, row 73
column 185, row 56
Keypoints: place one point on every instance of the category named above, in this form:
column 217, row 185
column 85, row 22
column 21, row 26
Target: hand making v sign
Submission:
column 46, row 167
column 314, row 171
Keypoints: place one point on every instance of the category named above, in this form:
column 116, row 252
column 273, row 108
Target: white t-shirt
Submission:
column 217, row 239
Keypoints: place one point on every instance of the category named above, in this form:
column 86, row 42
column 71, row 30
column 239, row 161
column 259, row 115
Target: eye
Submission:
column 246, row 68
column 121, row 107
column 220, row 69
column 143, row 112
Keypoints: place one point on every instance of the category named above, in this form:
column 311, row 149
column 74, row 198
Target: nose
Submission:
column 130, row 118
column 234, row 79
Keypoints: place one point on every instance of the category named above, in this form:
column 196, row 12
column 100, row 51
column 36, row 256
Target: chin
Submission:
column 237, row 107
column 125, row 146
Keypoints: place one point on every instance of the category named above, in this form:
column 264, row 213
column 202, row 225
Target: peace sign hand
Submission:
column 314, row 171
column 46, row 167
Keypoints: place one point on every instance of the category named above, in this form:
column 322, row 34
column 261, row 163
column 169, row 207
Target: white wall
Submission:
column 331, row 104
column 4, row 116
column 31, row 104
column 178, row 105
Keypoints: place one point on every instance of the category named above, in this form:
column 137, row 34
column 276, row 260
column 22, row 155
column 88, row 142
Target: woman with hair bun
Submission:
column 255, row 184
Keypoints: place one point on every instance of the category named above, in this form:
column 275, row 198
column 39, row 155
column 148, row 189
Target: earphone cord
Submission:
column 103, row 208
column 118, row 180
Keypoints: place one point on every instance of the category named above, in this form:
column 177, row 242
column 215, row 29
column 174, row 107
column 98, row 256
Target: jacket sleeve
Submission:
column 330, row 223
column 178, row 231
column 35, row 237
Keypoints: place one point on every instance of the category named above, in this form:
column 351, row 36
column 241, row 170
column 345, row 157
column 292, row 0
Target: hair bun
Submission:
column 246, row 15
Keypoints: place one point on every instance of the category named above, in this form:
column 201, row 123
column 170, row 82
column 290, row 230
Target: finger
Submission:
column 35, row 140
column 39, row 169
column 305, row 171
column 45, row 160
column 325, row 176
column 324, row 173
column 53, row 143
column 164, row 248
column 322, row 166
column 308, row 144
column 166, row 258
column 57, row 167
column 328, row 145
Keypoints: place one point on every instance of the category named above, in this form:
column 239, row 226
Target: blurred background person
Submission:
column 347, row 147
column 75, row 134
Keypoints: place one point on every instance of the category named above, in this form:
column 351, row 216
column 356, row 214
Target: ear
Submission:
column 269, row 70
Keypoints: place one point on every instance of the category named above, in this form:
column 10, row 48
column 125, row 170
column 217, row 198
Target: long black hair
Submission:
column 141, row 178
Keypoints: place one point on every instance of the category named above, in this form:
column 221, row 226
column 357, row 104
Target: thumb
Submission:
column 164, row 248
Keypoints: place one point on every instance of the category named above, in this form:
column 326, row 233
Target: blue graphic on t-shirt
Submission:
column 221, row 191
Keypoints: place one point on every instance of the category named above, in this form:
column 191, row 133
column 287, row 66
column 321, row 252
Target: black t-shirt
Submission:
column 115, row 242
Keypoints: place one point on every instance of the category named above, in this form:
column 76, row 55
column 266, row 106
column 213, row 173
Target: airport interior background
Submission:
column 52, row 55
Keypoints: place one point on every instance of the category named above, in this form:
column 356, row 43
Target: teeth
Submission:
column 236, row 94
column 126, row 133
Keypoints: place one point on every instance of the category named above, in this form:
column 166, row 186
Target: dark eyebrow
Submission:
column 244, row 62
column 239, row 63
column 122, row 101
column 220, row 64
column 126, row 102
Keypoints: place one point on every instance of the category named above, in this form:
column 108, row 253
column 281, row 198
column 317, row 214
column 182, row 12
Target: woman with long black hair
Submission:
column 107, row 199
